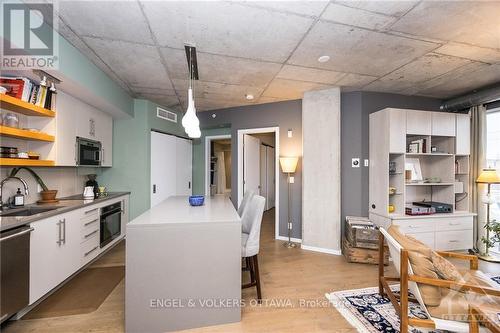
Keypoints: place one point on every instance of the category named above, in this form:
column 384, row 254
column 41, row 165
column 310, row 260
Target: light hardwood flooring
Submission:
column 287, row 275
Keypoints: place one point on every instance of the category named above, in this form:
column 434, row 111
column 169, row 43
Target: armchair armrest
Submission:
column 454, row 285
column 474, row 263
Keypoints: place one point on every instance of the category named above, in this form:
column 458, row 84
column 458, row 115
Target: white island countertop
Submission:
column 177, row 209
column 180, row 258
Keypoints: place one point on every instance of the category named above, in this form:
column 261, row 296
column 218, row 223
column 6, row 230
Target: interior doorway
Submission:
column 218, row 170
column 258, row 166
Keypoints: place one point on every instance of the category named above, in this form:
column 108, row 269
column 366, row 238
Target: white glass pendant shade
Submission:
column 190, row 120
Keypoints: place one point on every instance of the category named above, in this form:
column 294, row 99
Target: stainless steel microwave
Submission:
column 88, row 152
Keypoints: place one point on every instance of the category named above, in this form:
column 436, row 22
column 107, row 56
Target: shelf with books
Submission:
column 25, row 162
column 430, row 184
column 17, row 133
column 16, row 105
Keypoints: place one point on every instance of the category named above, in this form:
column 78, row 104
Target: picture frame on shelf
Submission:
column 413, row 165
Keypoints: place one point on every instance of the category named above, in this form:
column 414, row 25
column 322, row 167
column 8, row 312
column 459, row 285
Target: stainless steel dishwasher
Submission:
column 15, row 273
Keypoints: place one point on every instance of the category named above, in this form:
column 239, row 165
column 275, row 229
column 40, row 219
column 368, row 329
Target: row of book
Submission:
column 42, row 94
column 417, row 146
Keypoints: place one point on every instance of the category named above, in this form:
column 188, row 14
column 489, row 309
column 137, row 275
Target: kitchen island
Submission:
column 183, row 266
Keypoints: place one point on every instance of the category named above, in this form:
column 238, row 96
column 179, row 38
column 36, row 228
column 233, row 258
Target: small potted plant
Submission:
column 46, row 194
column 493, row 228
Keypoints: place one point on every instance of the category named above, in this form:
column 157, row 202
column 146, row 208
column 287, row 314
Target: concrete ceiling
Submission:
column 270, row 49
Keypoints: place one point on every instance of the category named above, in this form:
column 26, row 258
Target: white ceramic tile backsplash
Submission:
column 66, row 180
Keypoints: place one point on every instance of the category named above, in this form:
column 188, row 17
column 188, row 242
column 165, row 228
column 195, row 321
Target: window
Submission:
column 493, row 159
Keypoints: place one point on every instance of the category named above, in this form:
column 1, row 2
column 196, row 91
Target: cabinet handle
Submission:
column 451, row 223
column 90, row 211
column 87, row 253
column 59, row 238
column 123, row 206
column 64, row 231
column 92, row 233
column 102, row 155
column 89, row 223
column 454, row 241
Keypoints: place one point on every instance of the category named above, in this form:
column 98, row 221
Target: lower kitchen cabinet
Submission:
column 54, row 245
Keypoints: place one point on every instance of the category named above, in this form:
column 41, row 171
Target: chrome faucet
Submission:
column 25, row 185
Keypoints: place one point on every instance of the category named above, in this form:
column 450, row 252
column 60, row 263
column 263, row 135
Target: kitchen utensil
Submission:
column 88, row 192
column 92, row 182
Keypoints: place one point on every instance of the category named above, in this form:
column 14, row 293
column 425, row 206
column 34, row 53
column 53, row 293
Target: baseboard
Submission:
column 294, row 240
column 320, row 249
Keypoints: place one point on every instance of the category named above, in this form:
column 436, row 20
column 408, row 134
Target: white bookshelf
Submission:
column 443, row 156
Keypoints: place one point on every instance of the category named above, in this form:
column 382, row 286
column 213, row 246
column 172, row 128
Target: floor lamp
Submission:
column 488, row 176
column 288, row 166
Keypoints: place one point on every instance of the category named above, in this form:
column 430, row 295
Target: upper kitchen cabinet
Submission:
column 462, row 141
column 443, row 124
column 76, row 118
column 418, row 122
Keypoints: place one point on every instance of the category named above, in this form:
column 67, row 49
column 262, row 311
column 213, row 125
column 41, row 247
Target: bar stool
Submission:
column 246, row 199
column 250, row 239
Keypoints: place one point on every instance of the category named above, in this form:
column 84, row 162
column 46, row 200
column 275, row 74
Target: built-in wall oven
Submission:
column 88, row 152
column 15, row 273
column 111, row 223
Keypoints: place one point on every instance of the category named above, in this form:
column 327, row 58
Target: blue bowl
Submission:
column 196, row 200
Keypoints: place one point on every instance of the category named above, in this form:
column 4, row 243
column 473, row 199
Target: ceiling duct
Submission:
column 482, row 96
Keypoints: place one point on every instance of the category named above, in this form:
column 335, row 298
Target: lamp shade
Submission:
column 488, row 176
column 288, row 164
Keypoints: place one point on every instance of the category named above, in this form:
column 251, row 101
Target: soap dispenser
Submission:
column 19, row 198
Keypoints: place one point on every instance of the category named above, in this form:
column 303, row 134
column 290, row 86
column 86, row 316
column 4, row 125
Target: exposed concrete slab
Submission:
column 106, row 19
column 290, row 89
column 309, row 74
column 472, row 22
column 150, row 90
column 136, row 64
column 357, row 50
column 205, row 88
column 222, row 69
column 423, row 69
column 355, row 80
column 459, row 81
column 470, row 52
column 357, row 17
column 393, row 8
column 227, row 28
column 305, row 8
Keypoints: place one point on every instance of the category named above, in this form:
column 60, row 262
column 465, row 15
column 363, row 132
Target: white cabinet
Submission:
column 462, row 140
column 54, row 245
column 76, row 118
column 184, row 158
column 397, row 131
column 418, row 122
column 443, row 124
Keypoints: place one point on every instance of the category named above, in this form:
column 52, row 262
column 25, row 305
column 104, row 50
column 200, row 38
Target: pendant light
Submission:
column 190, row 122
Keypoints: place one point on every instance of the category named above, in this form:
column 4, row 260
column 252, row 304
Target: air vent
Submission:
column 167, row 115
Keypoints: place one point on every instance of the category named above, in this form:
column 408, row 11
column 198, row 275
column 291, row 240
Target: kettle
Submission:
column 88, row 192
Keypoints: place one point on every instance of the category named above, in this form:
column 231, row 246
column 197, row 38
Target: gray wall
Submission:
column 356, row 108
column 286, row 115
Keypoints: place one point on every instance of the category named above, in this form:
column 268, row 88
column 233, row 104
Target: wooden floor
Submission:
column 289, row 277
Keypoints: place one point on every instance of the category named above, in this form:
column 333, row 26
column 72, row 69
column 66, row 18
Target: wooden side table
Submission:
column 486, row 315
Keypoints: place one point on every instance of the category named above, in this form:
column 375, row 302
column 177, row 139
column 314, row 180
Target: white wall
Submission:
column 321, row 221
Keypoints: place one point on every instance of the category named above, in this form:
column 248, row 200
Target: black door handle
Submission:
column 154, row 188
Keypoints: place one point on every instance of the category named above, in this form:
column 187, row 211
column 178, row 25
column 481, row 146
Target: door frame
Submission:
column 277, row 178
column 208, row 140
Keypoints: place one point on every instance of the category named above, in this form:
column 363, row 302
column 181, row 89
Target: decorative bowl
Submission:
column 196, row 200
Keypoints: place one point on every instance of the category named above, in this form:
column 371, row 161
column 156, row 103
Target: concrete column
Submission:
column 321, row 221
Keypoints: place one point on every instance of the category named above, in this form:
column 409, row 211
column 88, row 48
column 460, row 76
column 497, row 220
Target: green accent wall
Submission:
column 199, row 157
column 131, row 169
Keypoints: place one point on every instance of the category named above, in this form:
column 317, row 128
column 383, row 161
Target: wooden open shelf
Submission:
column 24, row 162
column 17, row 133
column 16, row 105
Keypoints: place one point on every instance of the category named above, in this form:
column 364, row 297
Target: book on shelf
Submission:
column 26, row 90
column 417, row 146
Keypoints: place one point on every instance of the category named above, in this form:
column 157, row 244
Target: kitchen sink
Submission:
column 27, row 211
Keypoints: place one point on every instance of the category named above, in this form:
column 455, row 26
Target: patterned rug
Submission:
column 369, row 312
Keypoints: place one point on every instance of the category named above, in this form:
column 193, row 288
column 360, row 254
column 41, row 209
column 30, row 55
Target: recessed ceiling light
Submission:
column 249, row 97
column 324, row 58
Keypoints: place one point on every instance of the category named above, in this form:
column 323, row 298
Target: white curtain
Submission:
column 477, row 163
column 221, row 173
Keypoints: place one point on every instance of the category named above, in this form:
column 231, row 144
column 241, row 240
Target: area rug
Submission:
column 369, row 312
column 82, row 294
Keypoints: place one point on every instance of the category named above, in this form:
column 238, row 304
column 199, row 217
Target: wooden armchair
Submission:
column 408, row 281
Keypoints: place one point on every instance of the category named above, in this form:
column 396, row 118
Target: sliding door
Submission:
column 184, row 162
